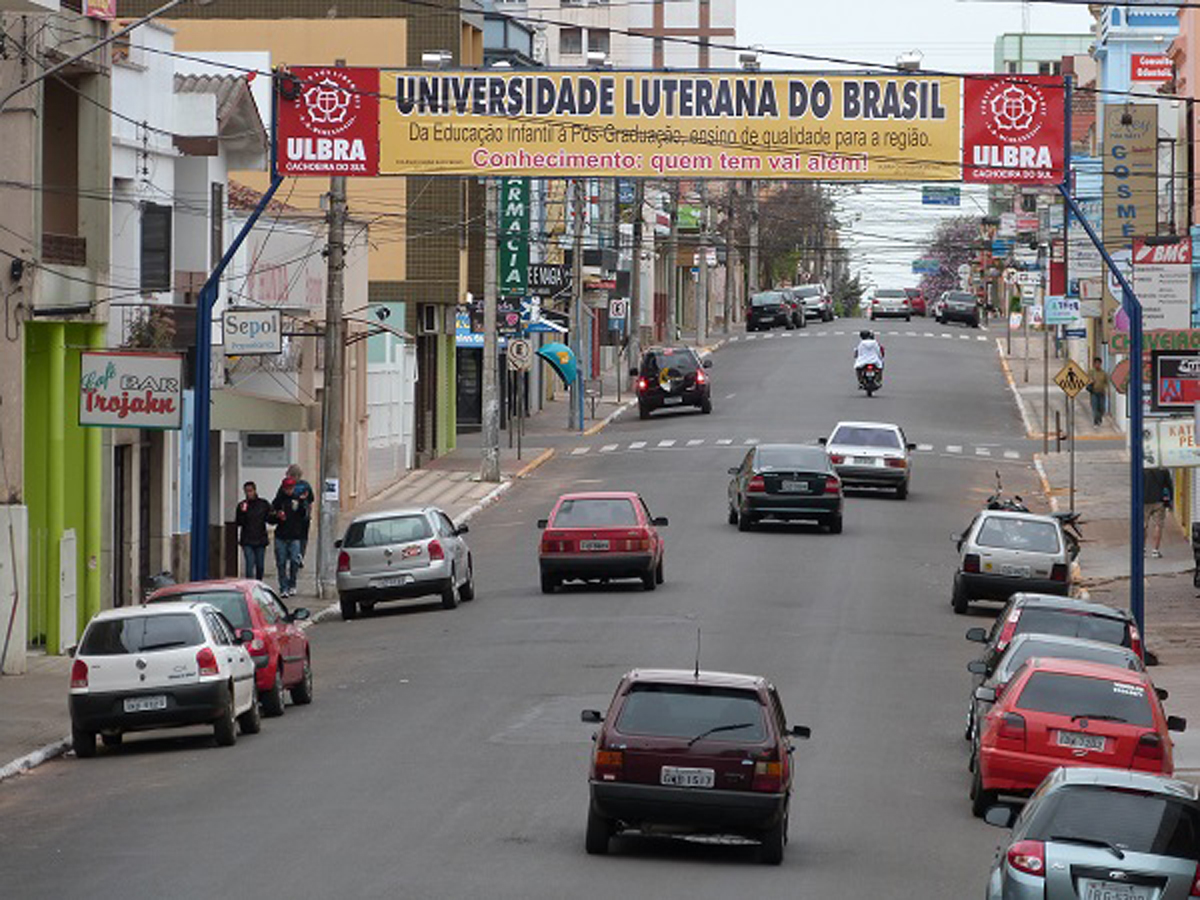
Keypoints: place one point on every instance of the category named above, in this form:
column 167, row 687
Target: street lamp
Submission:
column 116, row 35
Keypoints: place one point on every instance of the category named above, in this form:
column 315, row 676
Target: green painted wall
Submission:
column 381, row 348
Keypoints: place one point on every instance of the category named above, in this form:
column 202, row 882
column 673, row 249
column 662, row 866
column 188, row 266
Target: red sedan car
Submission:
column 916, row 301
column 280, row 650
column 1058, row 712
column 599, row 536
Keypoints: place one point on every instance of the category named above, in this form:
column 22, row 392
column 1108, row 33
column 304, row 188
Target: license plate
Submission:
column 668, row 401
column 1016, row 571
column 145, row 704
column 872, row 461
column 392, row 581
column 794, row 487
column 593, row 545
column 692, row 778
column 1077, row 741
column 1113, row 890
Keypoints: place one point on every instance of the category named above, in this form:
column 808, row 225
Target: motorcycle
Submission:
column 870, row 378
column 1071, row 533
column 998, row 501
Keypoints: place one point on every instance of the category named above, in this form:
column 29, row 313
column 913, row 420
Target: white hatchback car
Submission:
column 1003, row 553
column 161, row 666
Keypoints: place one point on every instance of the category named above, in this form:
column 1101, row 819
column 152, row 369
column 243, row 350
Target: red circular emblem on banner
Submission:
column 1013, row 112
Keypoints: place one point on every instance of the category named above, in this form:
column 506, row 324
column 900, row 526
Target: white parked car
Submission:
column 1003, row 553
column 161, row 666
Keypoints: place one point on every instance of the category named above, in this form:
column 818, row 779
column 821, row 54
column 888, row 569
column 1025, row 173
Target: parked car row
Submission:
column 789, row 307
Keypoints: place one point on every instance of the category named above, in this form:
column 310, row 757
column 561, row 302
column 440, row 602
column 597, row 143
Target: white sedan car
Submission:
column 870, row 454
column 161, row 666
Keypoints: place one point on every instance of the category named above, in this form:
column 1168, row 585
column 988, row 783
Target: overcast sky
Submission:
column 953, row 35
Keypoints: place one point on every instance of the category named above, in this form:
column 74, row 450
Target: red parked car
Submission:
column 600, row 536
column 916, row 301
column 1058, row 712
column 692, row 752
column 282, row 658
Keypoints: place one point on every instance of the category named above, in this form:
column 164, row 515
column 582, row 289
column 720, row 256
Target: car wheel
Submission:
column 835, row 524
column 272, row 701
column 250, row 722
column 649, row 581
column 980, row 799
column 450, row 592
column 975, row 323
column 225, row 728
column 770, row 851
column 349, row 609
column 112, row 738
column 599, row 832
column 467, row 591
column 902, row 491
column 658, row 573
column 549, row 583
column 732, row 516
column 969, row 731
column 84, row 742
column 706, row 405
column 908, row 318
column 959, row 599
column 302, row 693
column 745, row 521
column 643, row 413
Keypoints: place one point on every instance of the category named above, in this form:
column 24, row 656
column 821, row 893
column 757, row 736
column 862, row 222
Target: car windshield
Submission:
column 381, row 532
column 1070, row 623
column 1082, row 697
column 812, row 290
column 660, row 360
column 858, row 436
column 888, row 294
column 595, row 512
column 141, row 634
column 685, row 711
column 812, row 458
column 1018, row 534
column 771, row 298
column 960, row 298
column 1133, row 821
column 1101, row 653
column 231, row 603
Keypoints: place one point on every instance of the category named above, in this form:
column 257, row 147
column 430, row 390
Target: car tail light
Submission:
column 1135, row 641
column 1006, row 633
column 1028, row 857
column 1012, row 728
column 971, row 563
column 79, row 674
column 756, row 485
column 768, row 777
column 343, row 562
column 897, row 463
column 207, row 661
column 836, row 458
column 1149, row 748
column 1058, row 572
column 833, row 484
column 435, row 551
column 642, row 384
column 607, row 765
column 701, row 378
column 1195, row 892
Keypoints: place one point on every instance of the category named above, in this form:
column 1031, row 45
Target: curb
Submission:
column 1012, row 386
column 544, row 457
column 599, row 426
column 35, row 759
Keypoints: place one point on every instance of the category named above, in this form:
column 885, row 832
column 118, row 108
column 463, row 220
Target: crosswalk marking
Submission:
column 925, row 447
column 910, row 333
column 695, row 443
column 928, row 334
column 1011, row 454
column 751, row 441
column 608, row 448
column 579, row 451
column 982, row 451
column 954, row 448
column 946, row 336
column 637, row 445
column 667, row 443
column 822, row 333
column 965, row 337
column 725, row 442
column 981, row 337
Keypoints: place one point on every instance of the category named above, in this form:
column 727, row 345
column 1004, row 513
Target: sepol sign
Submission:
column 252, row 332
column 122, row 389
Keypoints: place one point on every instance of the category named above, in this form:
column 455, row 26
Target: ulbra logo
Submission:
column 1014, row 112
column 331, row 104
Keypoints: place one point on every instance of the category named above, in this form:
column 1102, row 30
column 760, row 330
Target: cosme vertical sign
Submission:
column 514, row 237
column 1130, row 158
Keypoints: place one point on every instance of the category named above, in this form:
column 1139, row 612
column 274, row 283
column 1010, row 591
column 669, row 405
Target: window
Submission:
column 156, row 247
column 231, row 603
column 598, row 40
column 570, row 41
column 1013, row 68
column 1135, row 822
column 860, row 436
column 598, row 513
column 1074, row 695
column 381, row 532
column 1018, row 534
column 141, row 634
column 667, row 710
column 1050, row 68
column 813, row 458
column 1069, row 623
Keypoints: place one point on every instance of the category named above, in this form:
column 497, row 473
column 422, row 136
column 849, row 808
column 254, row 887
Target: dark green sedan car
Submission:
column 787, row 482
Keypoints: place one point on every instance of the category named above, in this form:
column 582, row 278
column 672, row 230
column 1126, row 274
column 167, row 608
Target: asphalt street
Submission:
column 443, row 756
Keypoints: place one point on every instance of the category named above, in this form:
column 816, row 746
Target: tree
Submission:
column 952, row 245
column 796, row 227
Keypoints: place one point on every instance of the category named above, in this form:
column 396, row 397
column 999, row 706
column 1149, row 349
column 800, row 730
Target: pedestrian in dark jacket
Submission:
column 253, row 513
column 290, row 515
column 304, row 492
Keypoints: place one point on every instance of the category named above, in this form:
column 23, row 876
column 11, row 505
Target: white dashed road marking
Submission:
column 953, row 448
column 608, row 448
column 637, row 445
column 730, row 396
column 751, row 440
column 695, row 443
column 725, row 442
column 1011, row 454
column 982, row 451
column 925, row 447
column 667, row 443
column 579, row 451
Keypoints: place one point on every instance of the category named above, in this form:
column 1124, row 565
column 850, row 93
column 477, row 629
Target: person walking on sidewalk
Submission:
column 252, row 516
column 303, row 490
column 1098, row 388
column 290, row 515
column 1158, row 492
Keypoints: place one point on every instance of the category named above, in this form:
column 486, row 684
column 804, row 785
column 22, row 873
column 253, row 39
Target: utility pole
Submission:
column 332, row 393
column 730, row 252
column 635, row 278
column 702, row 273
column 672, row 262
column 576, row 411
column 753, row 262
column 490, row 468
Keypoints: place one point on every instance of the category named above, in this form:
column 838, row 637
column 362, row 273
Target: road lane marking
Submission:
column 637, row 445
column 953, row 448
column 982, row 451
column 667, row 443
column 730, row 396
column 608, row 448
column 981, row 337
column 579, row 451
column 946, row 336
column 965, row 337
column 1011, row 454
column 695, row 443
column 925, row 447
column 910, row 334
column 928, row 334
column 725, row 442
column 822, row 333
column 751, row 440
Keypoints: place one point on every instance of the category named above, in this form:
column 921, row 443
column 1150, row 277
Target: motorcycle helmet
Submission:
column 866, row 334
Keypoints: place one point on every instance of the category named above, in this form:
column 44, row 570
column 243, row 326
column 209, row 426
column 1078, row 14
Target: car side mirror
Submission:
column 733, row 470
column 977, row 667
column 71, row 651
column 592, row 716
column 660, row 522
column 1000, row 816
column 1162, row 693
column 633, row 372
column 542, row 523
column 708, row 364
column 822, row 441
column 986, row 694
column 244, row 635
column 910, row 446
column 800, row 731
column 462, row 529
column 978, row 635
column 337, row 545
column 1176, row 723
column 301, row 614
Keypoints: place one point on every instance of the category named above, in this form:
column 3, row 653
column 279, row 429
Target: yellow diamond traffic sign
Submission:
column 1072, row 379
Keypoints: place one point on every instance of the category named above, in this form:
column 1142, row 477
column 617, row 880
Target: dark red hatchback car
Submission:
column 684, row 752
column 282, row 660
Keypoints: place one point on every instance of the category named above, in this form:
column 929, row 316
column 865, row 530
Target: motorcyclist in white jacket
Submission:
column 869, row 351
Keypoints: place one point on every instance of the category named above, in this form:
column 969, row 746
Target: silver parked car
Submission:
column 1100, row 834
column 1004, row 553
column 870, row 454
column 403, row 554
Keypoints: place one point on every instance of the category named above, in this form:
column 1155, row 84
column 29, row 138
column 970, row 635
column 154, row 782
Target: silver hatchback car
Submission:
column 1003, row 553
column 1100, row 834
column 403, row 554
column 871, row 454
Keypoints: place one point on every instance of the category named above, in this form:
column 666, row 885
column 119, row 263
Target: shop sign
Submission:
column 252, row 332
column 1176, row 380
column 1151, row 67
column 1171, row 443
column 1162, row 280
column 514, row 237
column 125, row 389
column 1013, row 129
column 328, row 121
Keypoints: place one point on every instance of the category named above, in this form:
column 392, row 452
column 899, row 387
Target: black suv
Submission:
column 672, row 376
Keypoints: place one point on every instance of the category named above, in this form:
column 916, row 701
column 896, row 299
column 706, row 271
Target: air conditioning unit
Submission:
column 429, row 318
